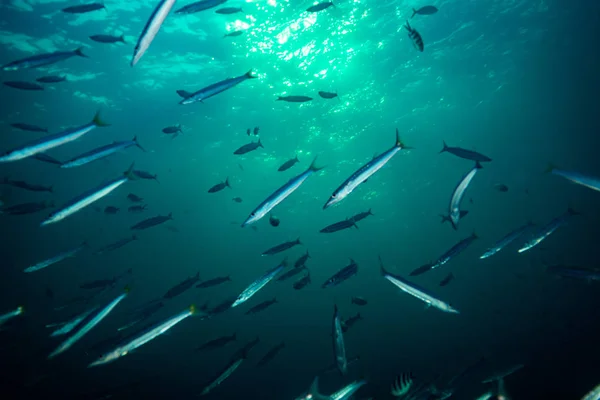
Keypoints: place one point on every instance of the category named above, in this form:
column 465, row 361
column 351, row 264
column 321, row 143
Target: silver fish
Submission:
column 343, row 394
column 280, row 194
column 151, row 28
column 548, row 230
column 418, row 292
column 576, row 177
column 55, row 259
column 339, row 349
column 42, row 60
column 220, row 378
column 11, row 314
column 506, row 240
column 144, row 338
column 258, row 284
column 87, row 198
column 364, row 173
column 71, row 324
column 458, row 194
column 88, row 325
column 217, row 88
column 51, row 141
column 100, row 152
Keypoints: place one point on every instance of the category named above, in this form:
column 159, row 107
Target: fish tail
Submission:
column 354, row 224
column 250, row 75
column 260, row 144
column 407, row 26
column 399, row 142
column 129, row 173
column 308, row 255
column 170, row 215
column 474, row 235
column 445, row 147
column 314, row 167
column 98, row 121
column 51, row 189
column 127, row 289
column 192, row 309
column 135, row 140
column 296, row 158
column 381, row 267
column 122, row 38
column 279, row 98
column 298, row 241
column 227, row 182
column 549, row 168
column 414, row 13
column 369, row 212
column 478, row 165
column 79, row 51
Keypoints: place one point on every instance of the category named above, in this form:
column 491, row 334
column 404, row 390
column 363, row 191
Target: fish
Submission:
column 258, row 284
column 417, row 292
column 144, row 313
column 229, row 10
column 51, row 141
column 116, row 245
column 501, row 187
column 302, row 260
column 294, row 99
column 348, row 323
column 234, row 33
column 145, row 175
column 248, row 147
column 426, row 10
column 267, row 358
column 68, row 326
column 449, row 278
column 87, row 198
column 41, row 60
column 364, row 173
column 506, row 240
column 83, row 8
column 220, row 186
column 98, row 284
column 402, row 385
column 134, row 198
column 47, row 159
column 274, row 221
column 151, row 29
column 88, row 324
column 359, row 301
column 26, row 208
column 224, row 374
column 172, row 129
column 213, row 282
column 7, row 316
column 281, row 247
column 216, row 88
column 339, row 349
column 342, row 275
column 51, row 79
column 27, row 186
column 547, row 230
column 111, row 210
column 261, row 306
column 291, row 273
column 338, row 226
column 587, row 274
column 237, row 199
column 415, row 37
column 320, row 6
column 593, row 394
column 222, row 307
column 280, row 194
column 503, row 374
column 447, row 256
column 589, row 182
column 256, row 129
column 464, row 153
column 333, row 367
column 458, row 193
column 182, row 286
column 328, row 95
column 137, row 208
column 28, row 127
column 56, row 259
column 143, row 338
column 344, row 393
column 109, row 39
column 302, row 282
column 217, row 343
column 288, row 164
column 23, row 85
column 360, row 216
column 101, row 152
column 199, row 6
column 184, row 93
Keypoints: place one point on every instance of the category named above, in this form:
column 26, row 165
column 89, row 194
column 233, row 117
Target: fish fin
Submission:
column 79, row 52
column 445, row 147
column 314, row 167
column 227, row 182
column 407, row 26
column 98, row 121
column 135, row 140
column 381, row 267
column 313, row 392
column 122, row 38
column 129, row 173
column 170, row 215
column 51, row 189
column 354, row 224
column 296, row 158
column 193, row 309
column 445, row 218
column 474, row 235
column 184, row 94
column 478, row 165
column 298, row 241
column 414, row 13
column 250, row 75
column 463, row 213
column 260, row 144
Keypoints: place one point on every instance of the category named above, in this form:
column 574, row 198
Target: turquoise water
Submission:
column 514, row 80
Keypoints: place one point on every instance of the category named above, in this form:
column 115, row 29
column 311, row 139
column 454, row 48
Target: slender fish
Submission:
column 415, row 37
column 576, row 177
column 280, row 194
column 258, row 284
column 548, row 230
column 270, row 355
column 144, row 338
column 199, row 6
column 342, row 275
column 51, row 141
column 217, row 88
column 57, row 258
column 506, row 240
column 339, row 349
column 344, row 393
column 28, row 127
column 447, row 256
column 459, row 192
column 364, row 173
column 281, row 247
column 152, row 221
column 83, row 8
column 87, row 198
column 151, row 28
column 23, row 85
column 225, row 373
column 101, row 152
column 67, row 327
column 464, row 153
column 4, row 318
column 41, row 60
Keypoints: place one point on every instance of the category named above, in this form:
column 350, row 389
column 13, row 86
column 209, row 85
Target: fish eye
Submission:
column 253, row 214
column 333, row 196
